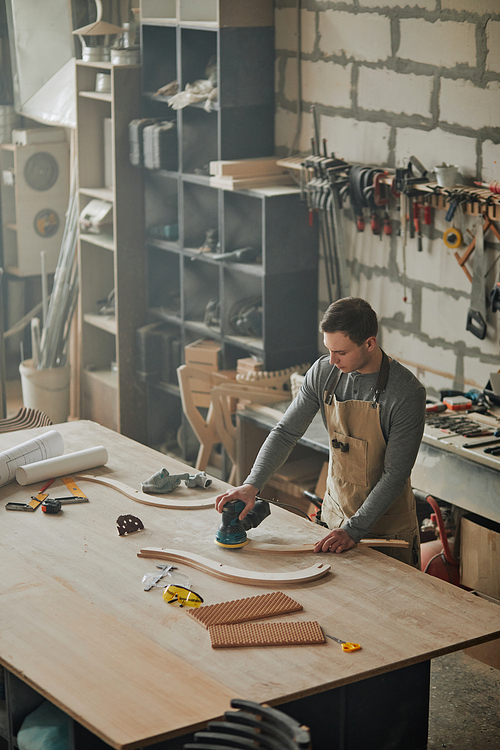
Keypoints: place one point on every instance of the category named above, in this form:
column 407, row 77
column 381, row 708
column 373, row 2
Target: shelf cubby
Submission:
column 240, row 125
column 110, row 391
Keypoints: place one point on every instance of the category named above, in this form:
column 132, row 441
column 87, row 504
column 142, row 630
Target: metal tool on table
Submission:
column 346, row 645
column 232, row 532
column 52, row 506
column 35, row 501
column 476, row 322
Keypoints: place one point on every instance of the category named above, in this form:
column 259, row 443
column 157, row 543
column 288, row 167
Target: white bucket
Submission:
column 446, row 175
column 46, row 390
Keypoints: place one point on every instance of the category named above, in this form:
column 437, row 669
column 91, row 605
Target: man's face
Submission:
column 347, row 355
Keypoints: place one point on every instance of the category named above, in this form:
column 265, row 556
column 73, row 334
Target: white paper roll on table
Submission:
column 62, row 465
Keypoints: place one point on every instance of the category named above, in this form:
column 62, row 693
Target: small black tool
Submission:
column 51, row 506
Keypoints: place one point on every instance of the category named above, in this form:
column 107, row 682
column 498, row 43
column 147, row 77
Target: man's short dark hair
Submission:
column 351, row 316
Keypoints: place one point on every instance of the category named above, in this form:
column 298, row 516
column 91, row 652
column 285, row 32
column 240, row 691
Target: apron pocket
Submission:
column 351, row 465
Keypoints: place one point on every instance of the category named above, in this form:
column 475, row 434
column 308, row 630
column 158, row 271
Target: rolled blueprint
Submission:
column 40, row 448
column 62, row 465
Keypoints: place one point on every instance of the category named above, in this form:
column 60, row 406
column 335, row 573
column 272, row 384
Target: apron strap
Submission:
column 380, row 386
column 383, row 377
column 331, row 385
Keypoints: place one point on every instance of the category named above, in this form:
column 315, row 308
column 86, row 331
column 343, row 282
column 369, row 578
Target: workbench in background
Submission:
column 77, row 627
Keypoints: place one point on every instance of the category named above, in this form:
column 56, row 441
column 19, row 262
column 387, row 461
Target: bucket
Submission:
column 46, row 390
column 446, row 175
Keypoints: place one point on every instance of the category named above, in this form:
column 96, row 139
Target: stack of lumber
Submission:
column 244, row 174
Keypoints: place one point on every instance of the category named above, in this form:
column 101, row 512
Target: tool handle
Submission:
column 476, row 324
column 350, row 646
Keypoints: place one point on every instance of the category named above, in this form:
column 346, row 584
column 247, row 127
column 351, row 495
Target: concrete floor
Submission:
column 464, row 704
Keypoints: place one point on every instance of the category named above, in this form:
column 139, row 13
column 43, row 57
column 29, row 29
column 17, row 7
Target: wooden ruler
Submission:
column 73, row 487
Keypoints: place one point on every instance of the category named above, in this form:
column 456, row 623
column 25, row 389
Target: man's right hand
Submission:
column 246, row 493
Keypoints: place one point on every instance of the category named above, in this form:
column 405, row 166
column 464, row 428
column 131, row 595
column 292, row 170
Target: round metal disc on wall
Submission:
column 41, row 171
column 46, row 223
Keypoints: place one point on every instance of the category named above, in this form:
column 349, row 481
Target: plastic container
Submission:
column 446, row 175
column 46, row 390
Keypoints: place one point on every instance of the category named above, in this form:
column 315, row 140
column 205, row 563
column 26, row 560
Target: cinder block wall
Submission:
column 390, row 79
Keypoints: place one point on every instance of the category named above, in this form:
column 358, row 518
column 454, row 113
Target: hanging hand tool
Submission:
column 462, row 259
column 346, row 645
column 476, row 323
column 416, row 221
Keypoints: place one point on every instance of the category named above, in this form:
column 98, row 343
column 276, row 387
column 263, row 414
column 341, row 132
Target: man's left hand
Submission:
column 337, row 540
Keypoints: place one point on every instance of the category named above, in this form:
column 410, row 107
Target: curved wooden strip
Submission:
column 159, row 501
column 235, row 575
column 254, row 546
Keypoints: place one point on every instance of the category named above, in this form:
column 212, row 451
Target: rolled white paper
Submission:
column 38, row 449
column 62, row 465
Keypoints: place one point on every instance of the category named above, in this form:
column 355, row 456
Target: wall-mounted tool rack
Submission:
column 474, row 201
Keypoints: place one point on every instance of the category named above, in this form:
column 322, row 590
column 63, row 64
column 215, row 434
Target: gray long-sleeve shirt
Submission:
column 402, row 418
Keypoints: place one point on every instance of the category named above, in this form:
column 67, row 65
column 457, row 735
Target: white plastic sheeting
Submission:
column 43, row 62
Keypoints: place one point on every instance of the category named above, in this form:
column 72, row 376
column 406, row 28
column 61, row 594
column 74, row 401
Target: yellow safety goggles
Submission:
column 183, row 596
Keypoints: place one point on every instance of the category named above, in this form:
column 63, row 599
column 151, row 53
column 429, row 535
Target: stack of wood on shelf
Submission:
column 242, row 174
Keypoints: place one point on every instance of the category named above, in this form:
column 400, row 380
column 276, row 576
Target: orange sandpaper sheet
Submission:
column 240, row 610
column 244, row 634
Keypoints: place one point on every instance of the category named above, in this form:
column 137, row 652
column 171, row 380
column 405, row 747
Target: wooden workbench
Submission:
column 76, row 625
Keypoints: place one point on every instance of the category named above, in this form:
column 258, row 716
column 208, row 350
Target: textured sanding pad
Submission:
column 266, row 634
column 240, row 610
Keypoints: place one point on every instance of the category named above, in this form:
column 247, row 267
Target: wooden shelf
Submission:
column 101, row 240
column 102, row 96
column 103, row 193
column 113, row 260
column 104, row 322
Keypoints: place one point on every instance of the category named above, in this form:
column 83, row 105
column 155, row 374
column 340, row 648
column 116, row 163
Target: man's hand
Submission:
column 246, row 493
column 338, row 540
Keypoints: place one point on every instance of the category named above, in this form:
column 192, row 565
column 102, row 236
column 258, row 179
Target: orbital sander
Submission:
column 232, row 532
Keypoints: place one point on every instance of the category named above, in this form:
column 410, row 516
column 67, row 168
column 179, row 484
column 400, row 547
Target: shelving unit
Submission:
column 111, row 393
column 178, row 40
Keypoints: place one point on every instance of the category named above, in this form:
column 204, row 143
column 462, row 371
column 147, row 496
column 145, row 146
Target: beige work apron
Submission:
column 353, row 472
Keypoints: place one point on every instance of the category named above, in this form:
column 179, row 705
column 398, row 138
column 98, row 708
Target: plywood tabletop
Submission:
column 400, row 616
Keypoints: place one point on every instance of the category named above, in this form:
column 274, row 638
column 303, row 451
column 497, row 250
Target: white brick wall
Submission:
column 493, row 41
column 464, row 104
column 323, row 82
column 477, row 371
column 491, row 161
column 405, row 347
column 472, row 6
column 380, row 89
column 352, row 140
column 424, row 4
column 443, row 43
column 381, row 122
column 444, row 316
column 435, row 146
column 364, row 36
column 286, row 30
column 370, row 250
column 286, row 125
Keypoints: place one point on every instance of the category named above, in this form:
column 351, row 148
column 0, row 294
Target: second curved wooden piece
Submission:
column 254, row 546
column 235, row 575
column 159, row 501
